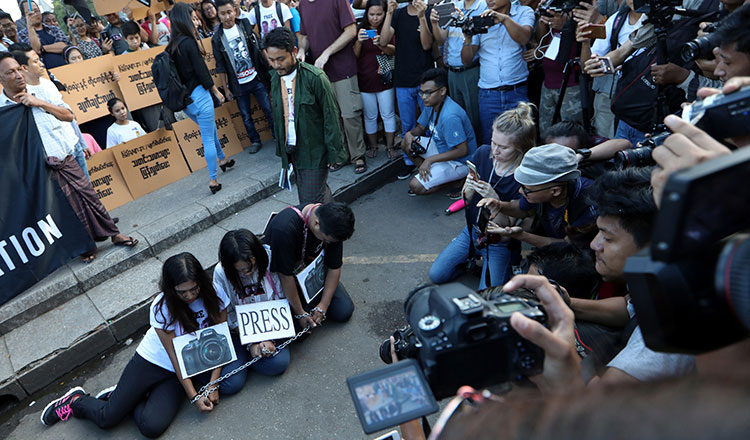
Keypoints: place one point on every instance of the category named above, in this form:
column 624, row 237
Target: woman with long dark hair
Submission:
column 188, row 53
column 151, row 388
column 210, row 15
column 242, row 274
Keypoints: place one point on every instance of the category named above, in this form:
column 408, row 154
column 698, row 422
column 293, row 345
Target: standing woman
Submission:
column 242, row 274
column 191, row 67
column 210, row 16
column 375, row 93
column 151, row 387
column 90, row 47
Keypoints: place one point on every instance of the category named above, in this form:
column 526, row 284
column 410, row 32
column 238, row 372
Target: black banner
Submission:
column 39, row 231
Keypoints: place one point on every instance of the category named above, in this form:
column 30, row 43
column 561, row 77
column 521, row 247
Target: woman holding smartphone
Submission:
column 490, row 175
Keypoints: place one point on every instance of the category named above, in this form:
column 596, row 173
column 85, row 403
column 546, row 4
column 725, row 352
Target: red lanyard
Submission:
column 305, row 218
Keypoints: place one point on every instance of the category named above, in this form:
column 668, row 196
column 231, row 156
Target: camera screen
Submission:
column 391, row 397
column 511, row 307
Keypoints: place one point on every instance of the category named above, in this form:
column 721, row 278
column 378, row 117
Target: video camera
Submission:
column 721, row 116
column 470, row 25
column 458, row 338
column 692, row 293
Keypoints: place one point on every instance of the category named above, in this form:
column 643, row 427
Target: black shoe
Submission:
column 224, row 167
column 407, row 172
column 115, row 220
column 214, row 189
column 411, row 193
column 255, row 147
column 59, row 410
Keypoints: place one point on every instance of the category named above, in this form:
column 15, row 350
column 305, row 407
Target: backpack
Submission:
column 173, row 93
column 278, row 14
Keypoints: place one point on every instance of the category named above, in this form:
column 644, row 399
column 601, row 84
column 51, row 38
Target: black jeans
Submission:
column 340, row 309
column 152, row 394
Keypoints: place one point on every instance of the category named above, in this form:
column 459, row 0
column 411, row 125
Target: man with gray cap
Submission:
column 553, row 192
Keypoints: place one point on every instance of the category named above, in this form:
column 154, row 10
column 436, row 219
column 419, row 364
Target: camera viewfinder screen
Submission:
column 392, row 399
column 511, row 307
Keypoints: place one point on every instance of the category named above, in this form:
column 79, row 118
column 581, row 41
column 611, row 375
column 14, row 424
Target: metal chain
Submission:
column 210, row 388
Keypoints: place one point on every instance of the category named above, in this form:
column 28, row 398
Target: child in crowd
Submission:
column 132, row 33
column 123, row 130
column 151, row 387
column 242, row 274
column 513, row 134
column 72, row 55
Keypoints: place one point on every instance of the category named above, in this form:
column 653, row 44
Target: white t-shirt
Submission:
column 151, row 347
column 118, row 134
column 291, row 137
column 601, row 46
column 271, row 289
column 243, row 64
column 162, row 32
column 269, row 20
column 645, row 364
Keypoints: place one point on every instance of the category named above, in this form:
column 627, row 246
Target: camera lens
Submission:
column 385, row 351
column 638, row 157
column 211, row 352
column 733, row 278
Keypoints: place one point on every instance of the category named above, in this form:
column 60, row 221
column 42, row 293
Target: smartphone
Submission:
column 607, row 66
column 104, row 35
column 483, row 218
column 371, row 33
column 472, row 170
column 598, row 31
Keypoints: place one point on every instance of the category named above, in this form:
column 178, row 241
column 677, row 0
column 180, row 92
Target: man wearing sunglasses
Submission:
column 553, row 193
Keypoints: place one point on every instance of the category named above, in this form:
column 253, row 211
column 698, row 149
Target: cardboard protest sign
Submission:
column 107, row 180
column 208, row 57
column 189, row 137
column 89, row 85
column 239, row 126
column 136, row 83
column 104, row 7
column 264, row 321
column 259, row 120
column 150, row 162
column 204, row 350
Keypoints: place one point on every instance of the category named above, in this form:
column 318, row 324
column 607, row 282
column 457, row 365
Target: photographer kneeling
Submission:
column 441, row 158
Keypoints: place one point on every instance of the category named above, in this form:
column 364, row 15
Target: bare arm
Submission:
column 469, row 50
column 439, row 34
column 386, row 34
column 607, row 149
column 153, row 37
column 609, row 311
column 425, row 36
column 304, row 45
column 536, row 240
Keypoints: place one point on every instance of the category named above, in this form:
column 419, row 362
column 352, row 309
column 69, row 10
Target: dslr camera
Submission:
column 416, row 149
column 207, row 351
column 559, row 6
column 721, row 116
column 470, row 25
column 458, row 338
column 701, row 47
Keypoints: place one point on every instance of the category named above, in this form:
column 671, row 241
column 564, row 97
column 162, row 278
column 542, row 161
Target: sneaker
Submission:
column 105, row 393
column 411, row 193
column 59, row 410
column 255, row 147
column 407, row 172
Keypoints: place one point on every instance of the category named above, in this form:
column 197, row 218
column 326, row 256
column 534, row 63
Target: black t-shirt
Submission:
column 411, row 59
column 285, row 235
column 506, row 187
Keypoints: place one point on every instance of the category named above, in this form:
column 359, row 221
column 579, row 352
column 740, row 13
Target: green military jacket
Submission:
column 320, row 140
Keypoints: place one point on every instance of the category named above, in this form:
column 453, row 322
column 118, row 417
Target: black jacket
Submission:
column 190, row 64
column 223, row 65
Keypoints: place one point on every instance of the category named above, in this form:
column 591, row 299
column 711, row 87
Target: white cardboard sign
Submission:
column 264, row 321
column 312, row 279
column 204, row 350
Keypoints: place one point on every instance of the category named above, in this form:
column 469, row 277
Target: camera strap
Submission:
column 304, row 218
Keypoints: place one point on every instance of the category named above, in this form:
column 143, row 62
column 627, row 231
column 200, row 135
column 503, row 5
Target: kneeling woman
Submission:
column 149, row 388
column 242, row 275
column 513, row 134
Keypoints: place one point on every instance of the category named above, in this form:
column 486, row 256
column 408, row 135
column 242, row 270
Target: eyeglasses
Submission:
column 526, row 191
column 427, row 93
column 193, row 290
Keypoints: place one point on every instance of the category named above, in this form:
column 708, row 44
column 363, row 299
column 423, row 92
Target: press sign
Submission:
column 264, row 321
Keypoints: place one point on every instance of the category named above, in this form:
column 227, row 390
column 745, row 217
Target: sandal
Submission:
column 130, row 242
column 88, row 256
column 335, row 167
column 372, row 153
column 360, row 166
column 393, row 153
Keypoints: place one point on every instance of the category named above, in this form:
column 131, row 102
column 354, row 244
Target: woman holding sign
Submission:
column 242, row 274
column 151, row 387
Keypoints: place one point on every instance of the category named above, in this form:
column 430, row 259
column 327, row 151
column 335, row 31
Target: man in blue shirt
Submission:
column 48, row 41
column 451, row 137
column 502, row 70
column 462, row 77
column 553, row 191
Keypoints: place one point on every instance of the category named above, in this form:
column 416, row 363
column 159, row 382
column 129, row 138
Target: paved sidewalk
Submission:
column 80, row 310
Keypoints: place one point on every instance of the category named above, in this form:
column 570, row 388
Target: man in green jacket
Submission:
column 305, row 118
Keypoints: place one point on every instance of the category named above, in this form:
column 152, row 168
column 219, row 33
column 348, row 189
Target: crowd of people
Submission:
column 519, row 112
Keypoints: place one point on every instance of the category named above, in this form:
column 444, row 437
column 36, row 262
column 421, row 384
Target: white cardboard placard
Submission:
column 264, row 321
column 204, row 349
column 312, row 278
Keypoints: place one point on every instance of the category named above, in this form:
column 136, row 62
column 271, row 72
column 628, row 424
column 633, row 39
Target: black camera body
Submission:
column 470, row 25
column 207, row 351
column 416, row 149
column 459, row 338
column 701, row 47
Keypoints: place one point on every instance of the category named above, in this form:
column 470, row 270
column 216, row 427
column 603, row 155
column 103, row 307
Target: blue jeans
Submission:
column 255, row 88
column 272, row 366
column 201, row 111
column 625, row 131
column 449, row 264
column 492, row 103
column 408, row 99
column 80, row 146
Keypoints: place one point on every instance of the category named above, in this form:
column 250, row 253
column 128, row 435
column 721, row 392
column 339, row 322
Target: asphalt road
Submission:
column 397, row 237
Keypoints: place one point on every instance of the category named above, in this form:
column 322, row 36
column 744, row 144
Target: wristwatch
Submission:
column 585, row 153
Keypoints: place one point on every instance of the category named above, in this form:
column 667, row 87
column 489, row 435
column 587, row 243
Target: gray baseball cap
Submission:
column 547, row 163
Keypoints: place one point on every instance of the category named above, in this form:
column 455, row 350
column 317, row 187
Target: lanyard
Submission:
column 304, row 218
